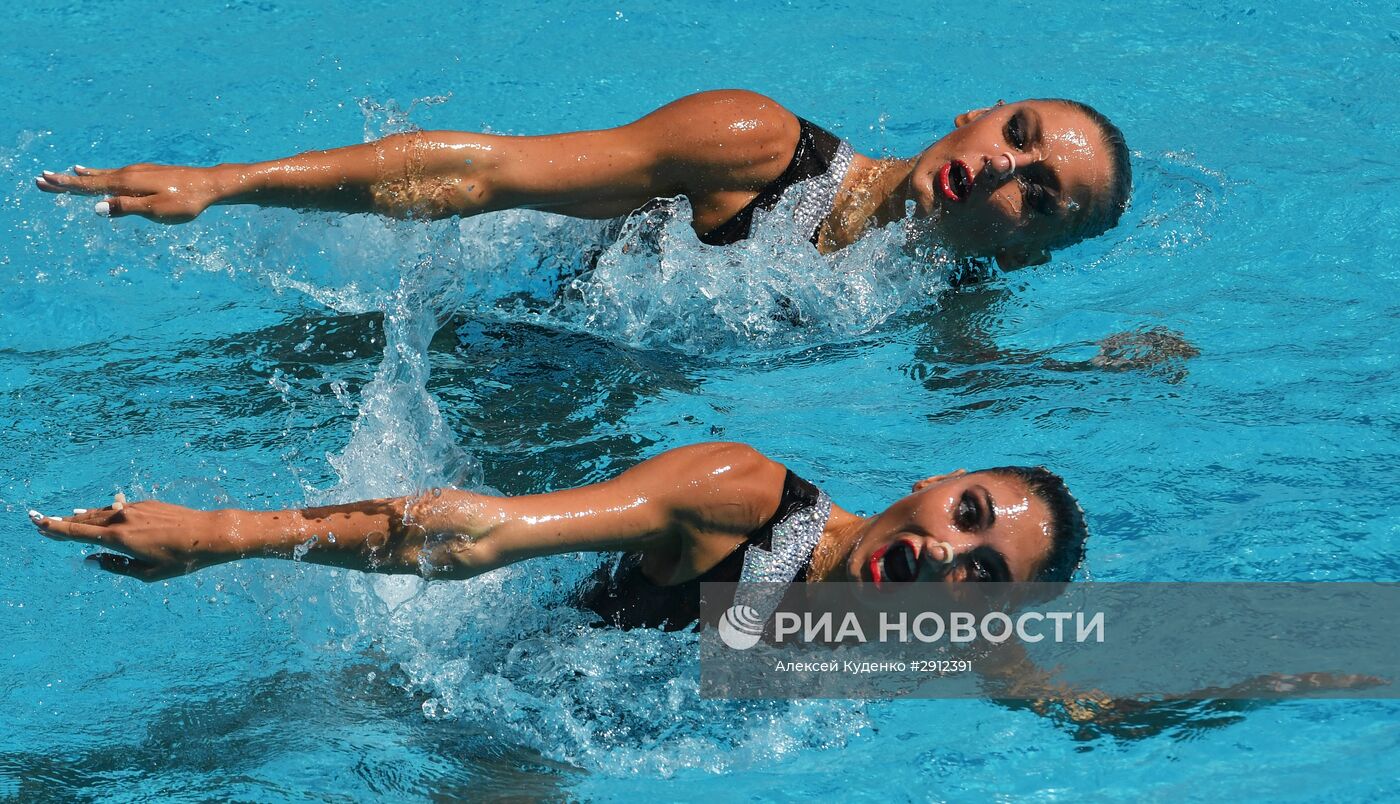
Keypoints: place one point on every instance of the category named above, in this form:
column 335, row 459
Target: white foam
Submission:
column 504, row 651
column 658, row 286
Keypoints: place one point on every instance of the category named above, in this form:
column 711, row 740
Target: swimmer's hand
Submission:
column 162, row 193
column 1283, row 685
column 159, row 540
column 1156, row 350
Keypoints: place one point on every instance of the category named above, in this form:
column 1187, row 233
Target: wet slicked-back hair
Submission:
column 1120, row 187
column 1067, row 529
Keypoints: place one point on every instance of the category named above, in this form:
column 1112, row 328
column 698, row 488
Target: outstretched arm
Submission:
column 713, row 146
column 682, row 506
column 1014, row 680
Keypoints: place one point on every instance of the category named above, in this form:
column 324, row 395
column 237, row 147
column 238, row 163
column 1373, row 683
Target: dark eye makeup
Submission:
column 974, row 511
column 966, row 516
column 1039, row 198
column 984, row 565
column 1016, row 131
column 1039, row 193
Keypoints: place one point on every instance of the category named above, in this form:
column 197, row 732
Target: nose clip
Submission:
column 945, row 561
column 996, row 168
column 1001, row 165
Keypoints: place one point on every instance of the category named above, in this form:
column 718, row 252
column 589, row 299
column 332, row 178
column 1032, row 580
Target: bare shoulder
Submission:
column 723, row 485
column 722, row 464
column 729, row 490
column 739, row 138
column 729, row 106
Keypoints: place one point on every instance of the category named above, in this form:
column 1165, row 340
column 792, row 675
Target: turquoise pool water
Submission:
column 266, row 358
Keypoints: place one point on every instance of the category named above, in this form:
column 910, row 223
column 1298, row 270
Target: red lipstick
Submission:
column 954, row 180
column 905, row 567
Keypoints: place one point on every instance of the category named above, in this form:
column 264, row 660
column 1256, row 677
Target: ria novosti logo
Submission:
column 741, row 627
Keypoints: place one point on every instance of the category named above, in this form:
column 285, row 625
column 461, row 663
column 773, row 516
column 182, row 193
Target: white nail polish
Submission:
column 55, row 518
column 77, row 511
column 49, row 173
column 102, row 208
column 35, row 515
column 79, row 167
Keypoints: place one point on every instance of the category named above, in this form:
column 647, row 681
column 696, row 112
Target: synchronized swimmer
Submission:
column 1011, row 182
column 687, row 516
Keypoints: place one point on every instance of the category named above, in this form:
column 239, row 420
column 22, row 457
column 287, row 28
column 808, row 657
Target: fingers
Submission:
column 97, row 181
column 122, row 205
column 102, row 517
column 58, row 528
column 153, row 192
column 77, row 525
column 92, row 183
column 114, row 207
column 151, row 207
column 137, row 568
column 127, row 182
column 92, row 526
column 51, row 182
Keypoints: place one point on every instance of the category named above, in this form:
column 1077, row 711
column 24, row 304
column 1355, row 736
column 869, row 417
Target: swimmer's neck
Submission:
column 895, row 189
column 843, row 532
column 873, row 196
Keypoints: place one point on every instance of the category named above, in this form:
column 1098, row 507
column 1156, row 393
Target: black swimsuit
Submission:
column 819, row 165
column 819, row 153
column 625, row 598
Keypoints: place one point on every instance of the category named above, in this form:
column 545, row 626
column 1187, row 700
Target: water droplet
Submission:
column 302, row 549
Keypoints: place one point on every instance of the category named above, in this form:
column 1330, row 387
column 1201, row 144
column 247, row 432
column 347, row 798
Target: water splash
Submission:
column 1175, row 199
column 390, row 117
column 655, row 285
column 506, row 652
column 502, row 654
column 399, row 441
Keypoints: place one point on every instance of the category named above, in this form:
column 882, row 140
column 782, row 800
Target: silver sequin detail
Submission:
column 766, row 575
column 817, row 195
column 794, row 539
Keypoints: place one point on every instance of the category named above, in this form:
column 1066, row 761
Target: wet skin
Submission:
column 717, row 148
column 684, row 510
column 1033, row 169
column 958, row 527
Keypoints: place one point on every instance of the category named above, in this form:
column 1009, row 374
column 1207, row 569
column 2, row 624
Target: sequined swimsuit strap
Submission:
column 818, row 194
column 789, row 552
column 768, row 573
column 818, row 167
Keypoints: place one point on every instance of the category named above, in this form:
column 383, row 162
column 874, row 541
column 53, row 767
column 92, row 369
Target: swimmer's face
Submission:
column 1012, row 180
column 996, row 528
